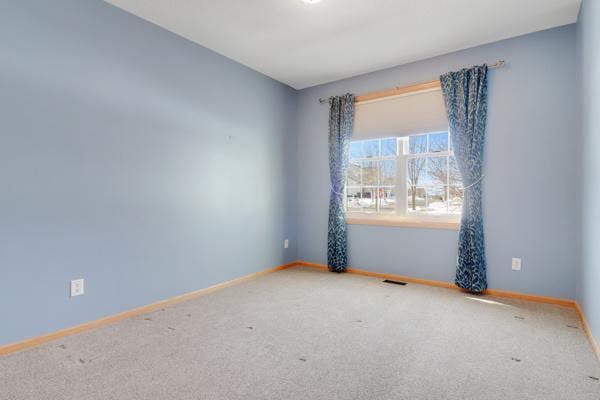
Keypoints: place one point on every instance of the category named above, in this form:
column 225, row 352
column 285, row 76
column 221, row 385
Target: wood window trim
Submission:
column 398, row 91
column 445, row 223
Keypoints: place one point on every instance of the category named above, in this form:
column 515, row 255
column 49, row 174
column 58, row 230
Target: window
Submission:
column 372, row 176
column 414, row 176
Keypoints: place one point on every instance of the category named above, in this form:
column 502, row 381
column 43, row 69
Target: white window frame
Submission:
column 401, row 216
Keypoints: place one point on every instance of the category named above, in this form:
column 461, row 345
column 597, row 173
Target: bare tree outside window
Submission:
column 444, row 171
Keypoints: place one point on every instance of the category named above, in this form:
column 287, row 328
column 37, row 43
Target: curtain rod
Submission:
column 407, row 89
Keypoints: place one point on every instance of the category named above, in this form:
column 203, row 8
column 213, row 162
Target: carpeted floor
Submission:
column 307, row 334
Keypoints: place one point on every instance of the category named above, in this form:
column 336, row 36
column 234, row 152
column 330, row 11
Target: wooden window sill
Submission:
column 403, row 222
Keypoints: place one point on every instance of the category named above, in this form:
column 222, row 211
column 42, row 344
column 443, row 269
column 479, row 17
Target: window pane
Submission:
column 428, row 201
column 368, row 201
column 371, row 185
column 354, row 174
column 436, row 200
column 389, row 147
column 453, row 172
column 415, row 171
column 387, row 202
column 369, row 173
column 355, row 150
column 387, row 171
column 417, row 200
column 437, row 171
column 364, row 149
column 417, row 144
column 353, row 199
column 438, row 142
column 455, row 199
column 455, row 190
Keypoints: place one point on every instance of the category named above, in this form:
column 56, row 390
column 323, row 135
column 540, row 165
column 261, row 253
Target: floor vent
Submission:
column 395, row 282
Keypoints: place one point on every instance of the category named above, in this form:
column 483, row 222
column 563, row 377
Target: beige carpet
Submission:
column 307, row 334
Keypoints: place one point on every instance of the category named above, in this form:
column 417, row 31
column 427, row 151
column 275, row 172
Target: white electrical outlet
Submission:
column 286, row 244
column 77, row 287
column 516, row 264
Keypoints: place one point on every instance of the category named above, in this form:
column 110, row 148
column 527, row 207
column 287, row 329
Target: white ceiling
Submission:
column 304, row 45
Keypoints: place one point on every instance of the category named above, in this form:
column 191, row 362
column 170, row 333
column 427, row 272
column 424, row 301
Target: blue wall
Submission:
column 588, row 288
column 135, row 159
column 531, row 164
column 151, row 167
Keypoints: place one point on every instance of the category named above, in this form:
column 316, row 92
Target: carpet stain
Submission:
column 358, row 320
column 188, row 315
column 81, row 361
column 250, row 327
column 62, row 346
column 515, row 359
column 519, row 317
column 573, row 326
column 147, row 319
column 594, row 378
column 302, row 359
column 171, row 328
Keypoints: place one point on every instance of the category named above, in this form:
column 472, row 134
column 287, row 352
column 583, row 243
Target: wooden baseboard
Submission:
column 448, row 285
column 382, row 275
column 588, row 331
column 531, row 297
column 491, row 292
column 36, row 341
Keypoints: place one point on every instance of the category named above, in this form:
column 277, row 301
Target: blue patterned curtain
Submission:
column 341, row 125
column 465, row 95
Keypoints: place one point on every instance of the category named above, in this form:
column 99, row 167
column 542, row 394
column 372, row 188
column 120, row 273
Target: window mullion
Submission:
column 377, row 200
column 401, row 188
column 362, row 184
